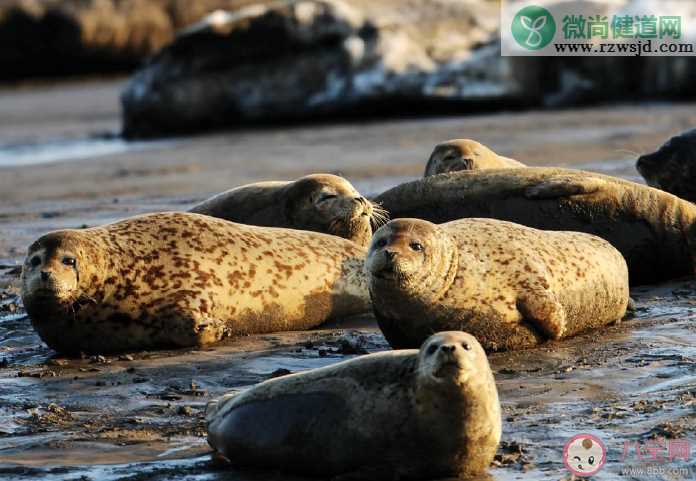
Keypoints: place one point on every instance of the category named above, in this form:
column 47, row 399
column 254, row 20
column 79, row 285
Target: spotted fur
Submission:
column 511, row 286
column 180, row 279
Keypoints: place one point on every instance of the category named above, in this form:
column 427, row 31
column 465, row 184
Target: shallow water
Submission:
column 633, row 382
column 57, row 150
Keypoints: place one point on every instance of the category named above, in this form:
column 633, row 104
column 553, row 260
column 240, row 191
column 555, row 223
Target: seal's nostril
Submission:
column 390, row 255
column 448, row 348
column 45, row 275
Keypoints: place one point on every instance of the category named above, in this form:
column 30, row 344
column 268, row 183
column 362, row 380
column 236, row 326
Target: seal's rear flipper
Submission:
column 563, row 187
column 631, row 309
column 542, row 310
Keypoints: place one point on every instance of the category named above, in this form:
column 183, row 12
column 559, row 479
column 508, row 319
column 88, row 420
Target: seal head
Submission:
column 465, row 154
column 415, row 257
column 672, row 167
column 452, row 357
column 57, row 271
column 329, row 203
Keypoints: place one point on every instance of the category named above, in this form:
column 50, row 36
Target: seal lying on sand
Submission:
column 509, row 285
column 319, row 202
column 392, row 415
column 655, row 231
column 464, row 154
column 179, row 279
column 672, row 167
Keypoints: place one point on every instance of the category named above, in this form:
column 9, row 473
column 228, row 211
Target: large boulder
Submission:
column 315, row 57
column 310, row 58
column 65, row 37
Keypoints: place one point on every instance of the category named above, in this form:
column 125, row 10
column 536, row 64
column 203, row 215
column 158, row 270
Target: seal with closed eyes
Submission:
column 465, row 154
column 318, row 202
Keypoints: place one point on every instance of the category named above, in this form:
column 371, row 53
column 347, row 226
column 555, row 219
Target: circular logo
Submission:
column 584, row 455
column 533, row 27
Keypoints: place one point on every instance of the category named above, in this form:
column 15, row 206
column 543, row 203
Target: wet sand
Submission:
column 139, row 417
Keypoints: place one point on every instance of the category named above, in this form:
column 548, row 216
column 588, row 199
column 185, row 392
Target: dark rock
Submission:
column 279, row 372
column 313, row 58
column 67, row 37
column 316, row 58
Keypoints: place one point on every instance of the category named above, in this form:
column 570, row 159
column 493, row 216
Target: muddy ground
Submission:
column 139, row 417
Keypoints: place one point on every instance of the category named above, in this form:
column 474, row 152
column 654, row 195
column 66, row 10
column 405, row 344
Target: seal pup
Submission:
column 408, row 414
column 509, row 285
column 318, row 202
column 655, row 231
column 177, row 279
column 465, row 154
column 672, row 167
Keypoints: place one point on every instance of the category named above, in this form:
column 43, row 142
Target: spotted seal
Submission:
column 655, row 231
column 465, row 154
column 181, row 279
column 509, row 285
column 318, row 202
column 408, row 414
column 672, row 167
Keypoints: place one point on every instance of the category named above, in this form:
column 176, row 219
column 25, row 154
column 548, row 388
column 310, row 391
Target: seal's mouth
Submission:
column 386, row 274
column 352, row 223
column 448, row 369
column 389, row 271
column 45, row 293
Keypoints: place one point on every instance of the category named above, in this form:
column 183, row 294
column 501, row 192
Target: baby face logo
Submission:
column 584, row 455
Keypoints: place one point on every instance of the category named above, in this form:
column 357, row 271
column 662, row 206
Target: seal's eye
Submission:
column 69, row 261
column 35, row 261
column 591, row 460
column 416, row 246
column 466, row 346
column 381, row 243
column 431, row 350
column 324, row 197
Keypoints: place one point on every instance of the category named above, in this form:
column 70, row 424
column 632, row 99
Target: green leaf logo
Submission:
column 533, row 27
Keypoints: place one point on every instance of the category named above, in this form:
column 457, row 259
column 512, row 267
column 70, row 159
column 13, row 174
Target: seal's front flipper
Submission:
column 563, row 187
column 542, row 309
